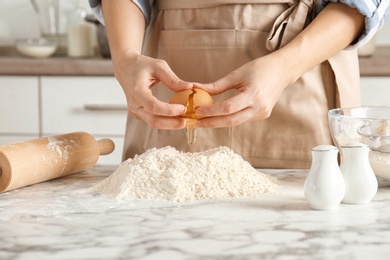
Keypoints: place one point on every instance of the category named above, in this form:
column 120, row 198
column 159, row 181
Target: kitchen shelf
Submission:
column 13, row 64
column 55, row 67
column 376, row 65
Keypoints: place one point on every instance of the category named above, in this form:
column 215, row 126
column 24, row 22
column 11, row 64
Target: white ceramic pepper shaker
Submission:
column 324, row 187
column 361, row 184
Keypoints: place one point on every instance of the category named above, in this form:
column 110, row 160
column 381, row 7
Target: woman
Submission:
column 275, row 66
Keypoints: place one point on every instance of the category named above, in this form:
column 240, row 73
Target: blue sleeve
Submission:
column 144, row 5
column 376, row 12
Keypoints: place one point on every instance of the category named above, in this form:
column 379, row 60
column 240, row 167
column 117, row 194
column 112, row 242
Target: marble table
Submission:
column 62, row 219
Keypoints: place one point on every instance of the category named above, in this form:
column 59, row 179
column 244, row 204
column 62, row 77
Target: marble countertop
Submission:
column 61, row 219
column 12, row 63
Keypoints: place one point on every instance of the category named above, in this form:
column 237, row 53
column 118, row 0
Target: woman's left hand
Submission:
column 262, row 81
column 260, row 84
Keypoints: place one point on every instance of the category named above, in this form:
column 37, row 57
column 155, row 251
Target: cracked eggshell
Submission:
column 201, row 98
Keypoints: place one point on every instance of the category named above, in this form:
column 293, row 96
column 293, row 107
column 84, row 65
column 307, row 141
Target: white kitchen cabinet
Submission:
column 375, row 91
column 87, row 104
column 96, row 105
column 19, row 108
column 39, row 106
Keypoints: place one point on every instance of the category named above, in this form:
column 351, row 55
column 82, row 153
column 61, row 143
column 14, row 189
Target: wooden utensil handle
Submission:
column 106, row 146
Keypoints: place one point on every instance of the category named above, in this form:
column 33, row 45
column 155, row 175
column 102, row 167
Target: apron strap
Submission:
column 289, row 24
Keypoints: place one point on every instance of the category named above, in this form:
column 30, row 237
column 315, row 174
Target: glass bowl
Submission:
column 36, row 48
column 367, row 125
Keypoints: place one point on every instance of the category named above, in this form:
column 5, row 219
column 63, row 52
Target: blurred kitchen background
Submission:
column 51, row 88
column 57, row 19
column 73, row 89
column 19, row 20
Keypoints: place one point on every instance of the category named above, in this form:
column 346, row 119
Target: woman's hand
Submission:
column 262, row 81
column 137, row 74
column 260, row 84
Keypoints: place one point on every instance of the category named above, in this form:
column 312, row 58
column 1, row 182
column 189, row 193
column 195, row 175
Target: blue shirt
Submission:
column 376, row 12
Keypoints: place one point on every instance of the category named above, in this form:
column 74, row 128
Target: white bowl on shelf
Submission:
column 36, row 48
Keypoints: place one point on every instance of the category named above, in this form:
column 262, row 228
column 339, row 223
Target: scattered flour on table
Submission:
column 166, row 174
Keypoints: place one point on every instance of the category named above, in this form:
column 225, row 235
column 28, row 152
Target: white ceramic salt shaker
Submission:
column 361, row 184
column 324, row 187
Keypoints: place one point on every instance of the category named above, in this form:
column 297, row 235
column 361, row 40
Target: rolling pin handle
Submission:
column 106, row 146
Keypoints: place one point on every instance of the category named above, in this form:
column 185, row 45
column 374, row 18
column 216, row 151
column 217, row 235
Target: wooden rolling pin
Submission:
column 34, row 161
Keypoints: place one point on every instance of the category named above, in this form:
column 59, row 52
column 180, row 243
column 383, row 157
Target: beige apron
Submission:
column 203, row 40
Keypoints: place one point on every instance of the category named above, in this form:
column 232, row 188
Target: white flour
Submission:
column 380, row 163
column 166, row 174
column 60, row 146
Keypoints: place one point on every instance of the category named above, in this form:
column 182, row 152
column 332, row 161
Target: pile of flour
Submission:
column 166, row 174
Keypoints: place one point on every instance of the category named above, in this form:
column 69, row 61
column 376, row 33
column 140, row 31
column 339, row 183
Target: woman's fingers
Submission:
column 165, row 74
column 221, row 85
column 156, row 107
column 226, row 107
column 226, row 120
column 152, row 105
column 161, row 122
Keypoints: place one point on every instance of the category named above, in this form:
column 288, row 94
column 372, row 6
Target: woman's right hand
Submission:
column 137, row 74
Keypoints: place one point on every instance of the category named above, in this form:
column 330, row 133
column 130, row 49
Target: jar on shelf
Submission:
column 80, row 34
